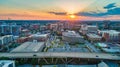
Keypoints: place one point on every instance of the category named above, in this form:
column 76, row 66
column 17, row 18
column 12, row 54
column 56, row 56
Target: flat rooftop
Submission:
column 71, row 34
column 93, row 36
column 29, row 47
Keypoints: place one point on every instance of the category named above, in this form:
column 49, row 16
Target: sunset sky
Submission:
column 60, row 9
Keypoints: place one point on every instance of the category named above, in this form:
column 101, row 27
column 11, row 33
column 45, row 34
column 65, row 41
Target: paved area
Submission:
column 92, row 47
column 61, row 55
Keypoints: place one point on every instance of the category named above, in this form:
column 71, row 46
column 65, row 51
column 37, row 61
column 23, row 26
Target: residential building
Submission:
column 110, row 35
column 6, row 29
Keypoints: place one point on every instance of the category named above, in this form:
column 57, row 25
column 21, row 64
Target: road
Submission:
column 101, row 56
column 92, row 47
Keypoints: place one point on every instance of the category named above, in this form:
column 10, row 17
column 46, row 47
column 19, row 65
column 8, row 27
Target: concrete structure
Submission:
column 94, row 37
column 30, row 47
column 6, row 39
column 102, row 64
column 111, row 50
column 110, row 35
column 85, row 29
column 7, row 63
column 72, row 37
column 100, row 56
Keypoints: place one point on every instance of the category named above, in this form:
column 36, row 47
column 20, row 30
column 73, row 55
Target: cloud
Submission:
column 114, row 11
column 111, row 9
column 58, row 13
column 18, row 15
column 92, row 14
column 109, row 6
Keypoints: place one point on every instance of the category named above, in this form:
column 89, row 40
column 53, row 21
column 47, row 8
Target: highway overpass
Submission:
column 101, row 56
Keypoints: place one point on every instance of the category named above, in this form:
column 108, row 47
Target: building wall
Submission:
column 73, row 39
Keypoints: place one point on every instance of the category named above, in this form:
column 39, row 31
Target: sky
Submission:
column 60, row 9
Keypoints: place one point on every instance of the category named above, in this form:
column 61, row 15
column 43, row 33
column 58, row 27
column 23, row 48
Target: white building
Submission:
column 72, row 37
column 6, row 39
column 94, row 37
column 38, row 37
column 85, row 29
column 7, row 63
column 110, row 35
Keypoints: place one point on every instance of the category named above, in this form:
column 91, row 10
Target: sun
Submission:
column 72, row 16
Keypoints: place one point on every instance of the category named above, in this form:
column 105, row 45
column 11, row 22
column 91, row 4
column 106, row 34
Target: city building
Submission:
column 30, row 47
column 110, row 35
column 6, row 39
column 35, row 26
column 6, row 29
column 54, row 26
column 85, row 29
column 94, row 37
column 22, row 39
column 7, row 63
column 38, row 37
column 72, row 37
column 43, row 28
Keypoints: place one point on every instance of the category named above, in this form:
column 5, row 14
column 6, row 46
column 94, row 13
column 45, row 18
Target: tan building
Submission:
column 72, row 37
column 85, row 29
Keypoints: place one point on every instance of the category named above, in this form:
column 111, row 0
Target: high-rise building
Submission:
column 7, row 29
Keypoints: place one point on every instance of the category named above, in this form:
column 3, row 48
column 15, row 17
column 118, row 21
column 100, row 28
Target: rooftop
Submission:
column 110, row 32
column 39, row 35
column 29, row 47
column 93, row 36
column 5, row 63
column 71, row 34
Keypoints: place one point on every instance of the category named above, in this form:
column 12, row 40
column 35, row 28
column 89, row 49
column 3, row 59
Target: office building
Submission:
column 85, row 29
column 6, row 29
column 72, row 37
column 94, row 37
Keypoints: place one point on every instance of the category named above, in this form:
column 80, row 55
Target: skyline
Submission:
column 59, row 9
